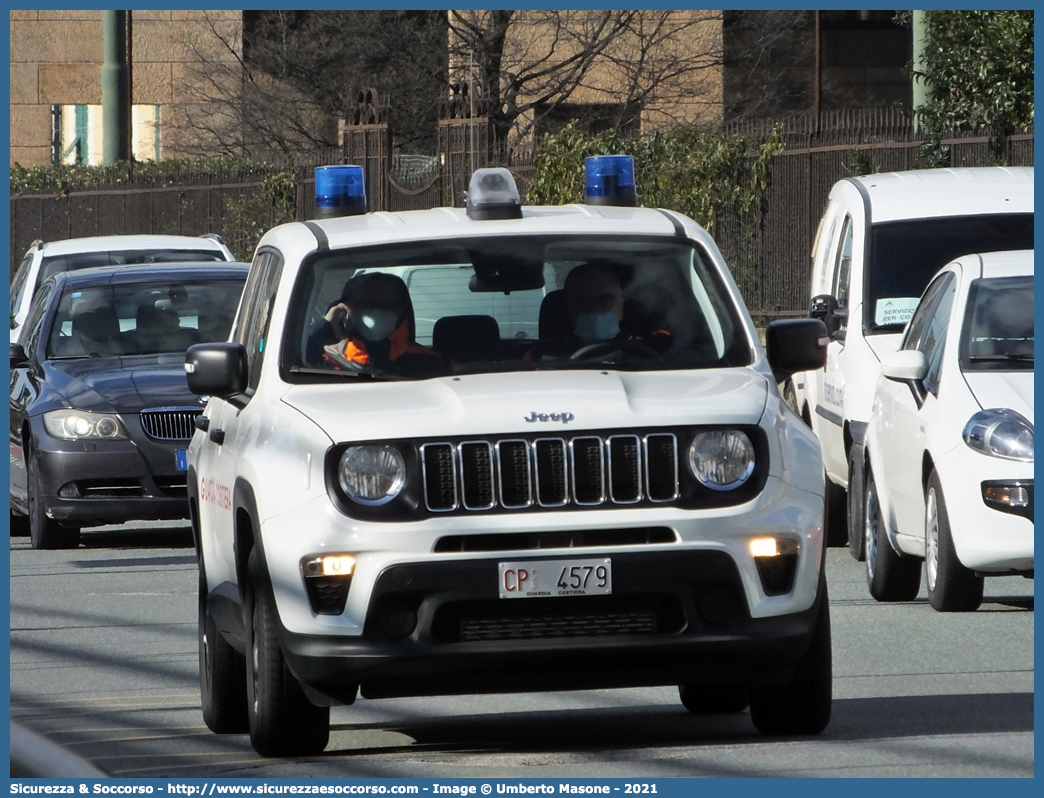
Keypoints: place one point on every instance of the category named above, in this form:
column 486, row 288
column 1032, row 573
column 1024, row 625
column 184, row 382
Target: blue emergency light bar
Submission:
column 609, row 180
column 339, row 191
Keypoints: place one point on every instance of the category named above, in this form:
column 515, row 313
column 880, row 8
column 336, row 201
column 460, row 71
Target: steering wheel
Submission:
column 625, row 346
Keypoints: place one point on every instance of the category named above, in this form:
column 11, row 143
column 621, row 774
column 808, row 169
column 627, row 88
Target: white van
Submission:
column 880, row 241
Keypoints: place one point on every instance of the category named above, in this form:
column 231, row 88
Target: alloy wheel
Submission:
column 931, row 538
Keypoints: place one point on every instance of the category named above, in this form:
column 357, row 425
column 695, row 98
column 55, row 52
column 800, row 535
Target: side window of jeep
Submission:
column 256, row 311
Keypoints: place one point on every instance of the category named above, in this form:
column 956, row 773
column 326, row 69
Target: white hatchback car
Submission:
column 46, row 258
column 950, row 440
column 462, row 488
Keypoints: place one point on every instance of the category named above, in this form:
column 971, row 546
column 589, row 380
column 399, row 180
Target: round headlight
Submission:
column 1000, row 433
column 722, row 459
column 107, row 427
column 371, row 475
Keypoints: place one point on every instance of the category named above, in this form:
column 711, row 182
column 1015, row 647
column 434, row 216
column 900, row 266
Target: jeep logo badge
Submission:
column 565, row 418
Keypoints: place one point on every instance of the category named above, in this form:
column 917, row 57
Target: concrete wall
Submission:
column 56, row 59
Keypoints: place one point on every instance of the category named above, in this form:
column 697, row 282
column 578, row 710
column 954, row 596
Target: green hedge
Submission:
column 699, row 172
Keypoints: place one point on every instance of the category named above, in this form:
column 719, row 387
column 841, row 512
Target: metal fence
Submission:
column 768, row 251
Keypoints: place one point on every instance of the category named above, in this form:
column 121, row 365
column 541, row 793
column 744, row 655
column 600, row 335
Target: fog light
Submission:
column 329, row 565
column 1013, row 496
column 776, row 560
column 327, row 580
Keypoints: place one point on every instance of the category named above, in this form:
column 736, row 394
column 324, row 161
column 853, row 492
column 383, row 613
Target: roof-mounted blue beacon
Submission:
column 609, row 180
column 339, row 191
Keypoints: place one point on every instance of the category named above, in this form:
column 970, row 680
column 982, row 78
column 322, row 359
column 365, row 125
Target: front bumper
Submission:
column 109, row 482
column 702, row 633
column 986, row 539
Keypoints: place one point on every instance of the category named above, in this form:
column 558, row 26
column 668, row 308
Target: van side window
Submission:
column 256, row 311
column 843, row 265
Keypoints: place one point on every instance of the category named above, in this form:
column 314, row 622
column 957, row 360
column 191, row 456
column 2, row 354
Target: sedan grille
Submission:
column 170, row 424
column 584, row 471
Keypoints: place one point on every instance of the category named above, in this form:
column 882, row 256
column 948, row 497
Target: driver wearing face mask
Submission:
column 370, row 329
column 594, row 301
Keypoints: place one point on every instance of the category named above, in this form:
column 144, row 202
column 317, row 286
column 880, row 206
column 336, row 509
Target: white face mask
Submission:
column 375, row 324
column 593, row 327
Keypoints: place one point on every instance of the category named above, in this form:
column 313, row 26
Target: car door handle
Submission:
column 217, row 436
column 202, row 423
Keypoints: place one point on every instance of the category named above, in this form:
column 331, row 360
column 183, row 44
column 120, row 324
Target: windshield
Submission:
column 87, row 260
column 998, row 325
column 143, row 318
column 424, row 309
column 904, row 256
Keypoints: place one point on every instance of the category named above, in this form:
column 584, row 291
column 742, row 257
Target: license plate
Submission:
column 556, row 578
column 181, row 458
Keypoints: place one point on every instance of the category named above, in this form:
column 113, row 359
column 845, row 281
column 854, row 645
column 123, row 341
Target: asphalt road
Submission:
column 103, row 660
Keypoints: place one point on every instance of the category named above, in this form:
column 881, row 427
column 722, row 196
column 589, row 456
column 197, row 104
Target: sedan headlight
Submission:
column 79, row 425
column 722, row 459
column 1000, row 433
column 371, row 475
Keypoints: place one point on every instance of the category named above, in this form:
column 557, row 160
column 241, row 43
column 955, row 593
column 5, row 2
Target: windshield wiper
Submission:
column 998, row 358
column 373, row 375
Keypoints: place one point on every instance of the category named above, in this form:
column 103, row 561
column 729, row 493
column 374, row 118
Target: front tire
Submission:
column 714, row 699
column 802, row 705
column 856, row 474
column 951, row 586
column 222, row 673
column 889, row 576
column 44, row 532
column 283, row 722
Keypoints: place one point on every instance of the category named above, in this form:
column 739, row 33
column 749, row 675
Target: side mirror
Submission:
column 906, row 365
column 826, row 308
column 218, row 369
column 18, row 356
column 795, row 345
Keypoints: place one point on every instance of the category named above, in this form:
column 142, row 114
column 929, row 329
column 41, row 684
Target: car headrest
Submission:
column 466, row 337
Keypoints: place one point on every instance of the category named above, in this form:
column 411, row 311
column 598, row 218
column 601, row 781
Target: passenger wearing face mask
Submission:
column 370, row 329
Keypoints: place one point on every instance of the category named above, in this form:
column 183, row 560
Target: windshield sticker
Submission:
column 896, row 310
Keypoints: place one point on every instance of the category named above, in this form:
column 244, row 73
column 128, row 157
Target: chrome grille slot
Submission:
column 168, row 424
column 588, row 470
column 552, row 489
column 476, row 475
column 440, row 483
column 661, row 467
column 516, row 485
column 625, row 469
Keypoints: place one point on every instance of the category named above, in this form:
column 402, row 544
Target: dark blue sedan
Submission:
column 101, row 413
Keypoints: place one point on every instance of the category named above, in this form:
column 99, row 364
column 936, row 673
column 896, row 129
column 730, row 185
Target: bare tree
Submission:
column 660, row 66
column 295, row 74
column 769, row 63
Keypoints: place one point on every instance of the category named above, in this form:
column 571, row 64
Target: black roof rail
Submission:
column 213, row 237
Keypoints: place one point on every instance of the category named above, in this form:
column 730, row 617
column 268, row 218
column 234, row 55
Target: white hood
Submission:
column 1010, row 389
column 500, row 404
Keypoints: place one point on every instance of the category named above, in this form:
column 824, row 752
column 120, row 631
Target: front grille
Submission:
column 586, row 625
column 544, row 618
column 169, row 424
column 584, row 471
column 566, row 539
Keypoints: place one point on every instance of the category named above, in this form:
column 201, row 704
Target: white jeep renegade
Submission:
column 500, row 495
